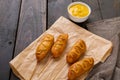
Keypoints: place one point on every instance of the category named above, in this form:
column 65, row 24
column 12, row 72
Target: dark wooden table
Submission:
column 22, row 21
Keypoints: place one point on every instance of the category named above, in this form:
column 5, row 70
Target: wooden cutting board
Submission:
column 25, row 65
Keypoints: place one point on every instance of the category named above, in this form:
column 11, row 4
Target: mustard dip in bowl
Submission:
column 78, row 11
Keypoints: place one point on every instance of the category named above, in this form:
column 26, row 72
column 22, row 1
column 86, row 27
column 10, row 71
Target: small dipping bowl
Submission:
column 75, row 18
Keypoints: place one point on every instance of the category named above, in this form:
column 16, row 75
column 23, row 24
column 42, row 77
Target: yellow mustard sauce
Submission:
column 79, row 10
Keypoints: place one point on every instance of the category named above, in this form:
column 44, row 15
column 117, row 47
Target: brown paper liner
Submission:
column 25, row 65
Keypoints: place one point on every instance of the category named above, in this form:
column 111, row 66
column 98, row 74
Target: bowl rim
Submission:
column 79, row 2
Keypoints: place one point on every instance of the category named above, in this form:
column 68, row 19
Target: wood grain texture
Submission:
column 9, row 10
column 110, row 8
column 32, row 23
column 57, row 8
column 96, row 13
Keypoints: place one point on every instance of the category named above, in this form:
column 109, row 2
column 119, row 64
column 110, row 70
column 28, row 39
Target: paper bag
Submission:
column 25, row 65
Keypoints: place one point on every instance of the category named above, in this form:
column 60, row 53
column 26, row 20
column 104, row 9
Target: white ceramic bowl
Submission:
column 76, row 19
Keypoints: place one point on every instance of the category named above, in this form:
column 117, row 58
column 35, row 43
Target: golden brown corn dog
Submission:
column 59, row 45
column 44, row 47
column 80, row 67
column 77, row 50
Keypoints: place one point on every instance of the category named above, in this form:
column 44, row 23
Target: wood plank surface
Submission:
column 9, row 10
column 57, row 8
column 110, row 8
column 32, row 23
